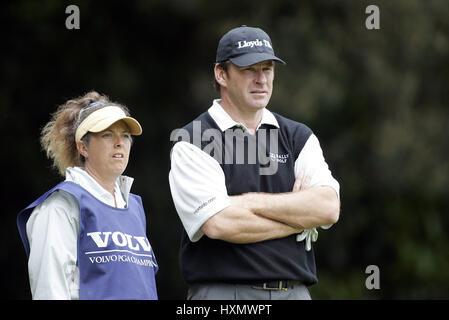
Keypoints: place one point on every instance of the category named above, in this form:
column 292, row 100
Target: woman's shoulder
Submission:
column 59, row 202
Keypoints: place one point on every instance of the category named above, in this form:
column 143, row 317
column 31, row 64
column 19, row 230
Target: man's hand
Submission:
column 300, row 184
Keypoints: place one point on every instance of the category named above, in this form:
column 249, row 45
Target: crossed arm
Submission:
column 254, row 217
column 199, row 192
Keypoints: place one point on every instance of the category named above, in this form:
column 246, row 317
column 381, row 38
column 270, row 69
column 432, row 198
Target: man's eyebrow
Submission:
column 262, row 64
column 267, row 63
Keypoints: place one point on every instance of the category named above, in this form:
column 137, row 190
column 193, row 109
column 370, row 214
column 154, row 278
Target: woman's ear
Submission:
column 82, row 149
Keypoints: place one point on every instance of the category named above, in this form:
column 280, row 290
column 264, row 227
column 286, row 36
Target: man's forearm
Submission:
column 308, row 208
column 239, row 225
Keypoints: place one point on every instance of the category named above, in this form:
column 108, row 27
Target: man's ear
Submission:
column 82, row 149
column 220, row 75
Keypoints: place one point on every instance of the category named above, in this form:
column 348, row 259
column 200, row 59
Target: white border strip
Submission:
column 137, row 254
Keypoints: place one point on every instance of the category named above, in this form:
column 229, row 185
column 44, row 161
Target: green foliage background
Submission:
column 376, row 99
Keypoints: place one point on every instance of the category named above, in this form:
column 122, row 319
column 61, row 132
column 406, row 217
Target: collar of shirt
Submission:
column 121, row 189
column 224, row 120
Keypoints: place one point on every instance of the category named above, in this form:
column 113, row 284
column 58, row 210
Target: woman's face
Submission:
column 107, row 153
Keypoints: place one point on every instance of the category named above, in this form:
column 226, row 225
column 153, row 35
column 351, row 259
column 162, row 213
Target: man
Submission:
column 249, row 224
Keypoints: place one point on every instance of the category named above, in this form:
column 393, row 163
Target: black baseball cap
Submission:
column 245, row 46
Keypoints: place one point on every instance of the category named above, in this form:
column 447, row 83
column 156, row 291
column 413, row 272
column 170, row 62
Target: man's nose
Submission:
column 260, row 76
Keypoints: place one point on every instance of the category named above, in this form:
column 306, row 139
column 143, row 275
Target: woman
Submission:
column 86, row 237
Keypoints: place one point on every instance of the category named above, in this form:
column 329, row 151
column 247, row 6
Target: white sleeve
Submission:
column 311, row 162
column 52, row 231
column 198, row 187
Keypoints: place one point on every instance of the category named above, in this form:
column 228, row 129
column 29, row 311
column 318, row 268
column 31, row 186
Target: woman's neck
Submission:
column 107, row 183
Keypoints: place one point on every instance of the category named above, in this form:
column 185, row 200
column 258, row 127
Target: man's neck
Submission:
column 250, row 118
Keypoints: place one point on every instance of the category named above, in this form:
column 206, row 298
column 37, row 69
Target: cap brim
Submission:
column 133, row 125
column 249, row 59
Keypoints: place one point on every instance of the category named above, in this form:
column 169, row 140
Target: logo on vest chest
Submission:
column 120, row 239
column 281, row 158
column 114, row 248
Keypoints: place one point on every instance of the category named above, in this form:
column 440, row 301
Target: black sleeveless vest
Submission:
column 210, row 260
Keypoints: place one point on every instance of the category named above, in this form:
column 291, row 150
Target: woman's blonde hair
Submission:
column 58, row 135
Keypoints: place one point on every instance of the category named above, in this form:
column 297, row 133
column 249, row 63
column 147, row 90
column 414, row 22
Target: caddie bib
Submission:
column 115, row 258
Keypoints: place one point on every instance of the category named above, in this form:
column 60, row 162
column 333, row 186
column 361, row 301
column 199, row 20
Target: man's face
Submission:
column 249, row 88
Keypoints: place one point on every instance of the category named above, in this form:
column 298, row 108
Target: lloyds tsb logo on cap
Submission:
column 251, row 44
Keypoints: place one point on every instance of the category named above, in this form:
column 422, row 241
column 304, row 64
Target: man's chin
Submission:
column 259, row 105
